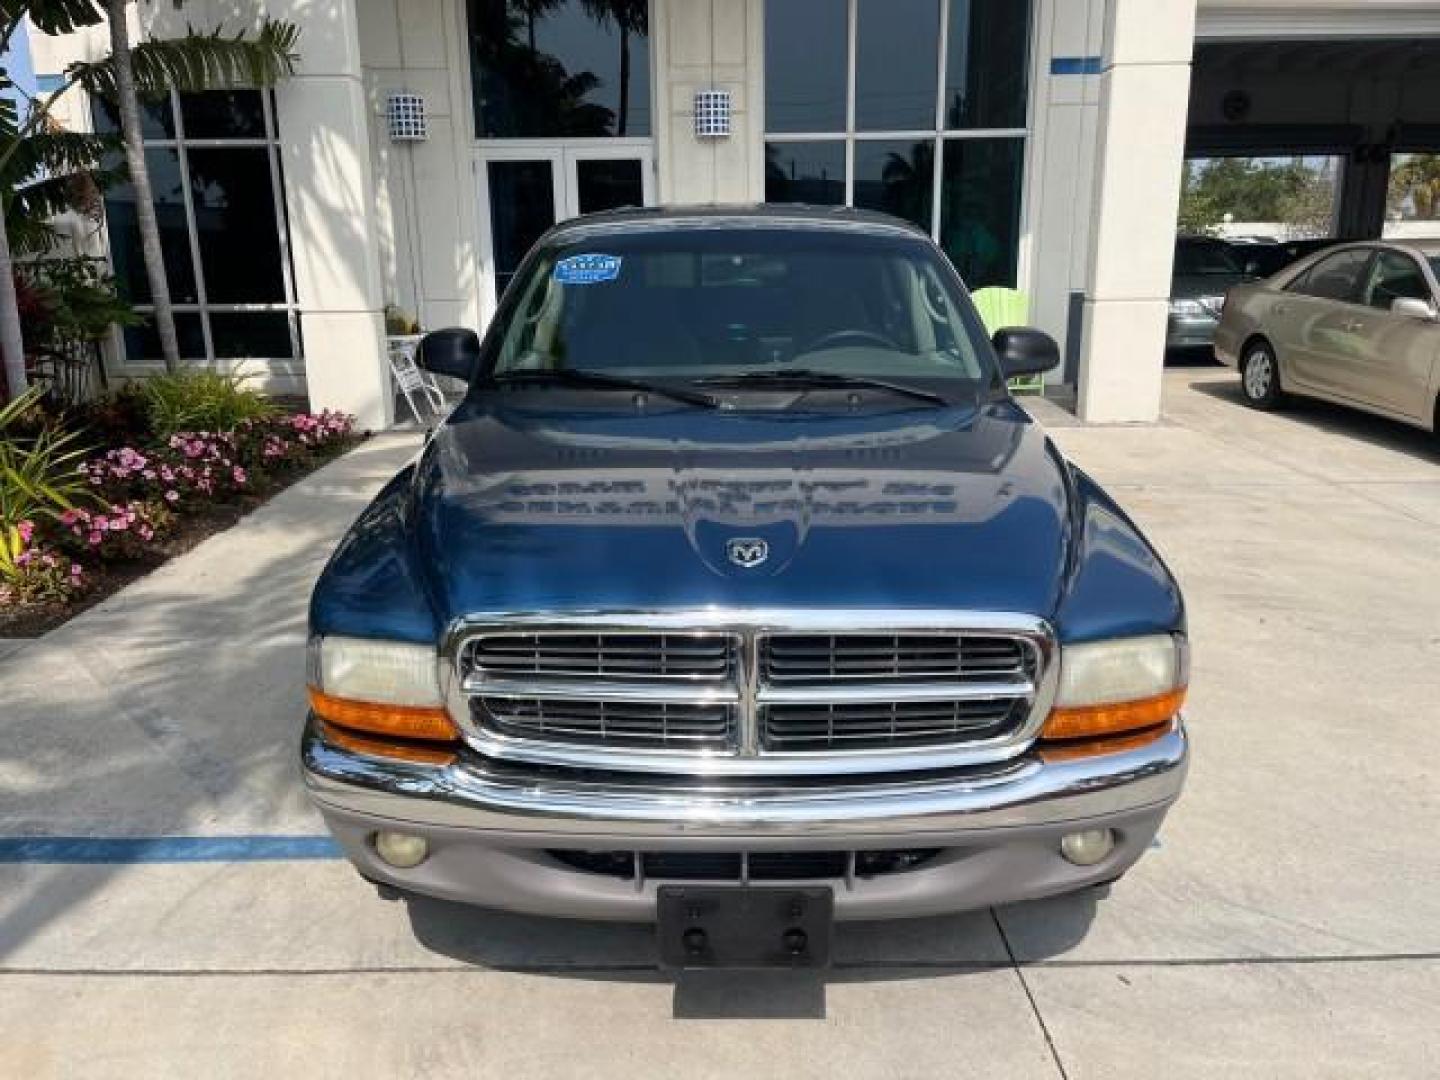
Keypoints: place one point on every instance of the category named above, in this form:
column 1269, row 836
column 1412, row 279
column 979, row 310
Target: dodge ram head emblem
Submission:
column 747, row 551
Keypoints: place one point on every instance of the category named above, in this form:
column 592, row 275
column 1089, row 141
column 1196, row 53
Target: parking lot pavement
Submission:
column 1287, row 923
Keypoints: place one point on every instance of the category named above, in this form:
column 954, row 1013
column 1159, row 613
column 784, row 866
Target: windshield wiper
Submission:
column 808, row 377
column 600, row 381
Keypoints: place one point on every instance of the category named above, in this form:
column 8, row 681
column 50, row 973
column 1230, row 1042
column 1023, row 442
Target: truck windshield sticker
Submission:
column 587, row 269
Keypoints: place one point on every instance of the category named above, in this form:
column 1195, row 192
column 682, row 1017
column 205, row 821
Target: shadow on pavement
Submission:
column 1333, row 419
column 941, row 946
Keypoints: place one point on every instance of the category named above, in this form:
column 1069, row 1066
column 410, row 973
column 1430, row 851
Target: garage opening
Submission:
column 1293, row 145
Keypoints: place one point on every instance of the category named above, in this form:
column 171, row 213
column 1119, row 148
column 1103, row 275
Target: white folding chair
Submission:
column 411, row 380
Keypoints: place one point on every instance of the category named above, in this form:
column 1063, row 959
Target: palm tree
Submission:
column 198, row 61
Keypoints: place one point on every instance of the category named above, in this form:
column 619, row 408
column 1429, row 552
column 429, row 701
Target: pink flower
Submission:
column 146, row 532
column 239, row 475
column 95, row 539
column 172, row 496
column 26, row 529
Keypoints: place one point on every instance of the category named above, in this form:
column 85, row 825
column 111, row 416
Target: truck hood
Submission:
column 516, row 508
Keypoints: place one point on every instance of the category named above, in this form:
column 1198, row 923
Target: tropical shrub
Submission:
column 40, row 478
column 129, row 530
column 201, row 401
column 68, row 306
column 38, row 574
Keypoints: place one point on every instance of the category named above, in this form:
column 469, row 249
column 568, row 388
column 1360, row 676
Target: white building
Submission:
column 1040, row 141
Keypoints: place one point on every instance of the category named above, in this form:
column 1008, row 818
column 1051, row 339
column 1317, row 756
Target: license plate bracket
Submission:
column 709, row 926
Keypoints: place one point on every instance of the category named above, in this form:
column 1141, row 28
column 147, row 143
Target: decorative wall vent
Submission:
column 406, row 113
column 712, row 114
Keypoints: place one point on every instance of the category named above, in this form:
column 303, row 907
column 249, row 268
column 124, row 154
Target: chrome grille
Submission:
column 699, row 693
column 616, row 723
column 852, row 726
column 796, row 658
column 603, row 656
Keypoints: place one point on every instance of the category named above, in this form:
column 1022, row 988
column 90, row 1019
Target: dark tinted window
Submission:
column 694, row 302
column 805, row 57
column 223, row 114
column 168, row 190
column 807, row 172
column 561, row 68
column 235, row 220
column 143, row 343
column 157, row 121
column 1394, row 277
column 1336, row 277
column 987, row 63
column 609, row 183
column 242, row 334
column 522, row 207
column 896, row 176
column 980, row 208
column 895, row 64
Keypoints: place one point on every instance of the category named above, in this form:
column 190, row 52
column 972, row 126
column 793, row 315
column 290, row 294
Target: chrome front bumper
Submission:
column 490, row 827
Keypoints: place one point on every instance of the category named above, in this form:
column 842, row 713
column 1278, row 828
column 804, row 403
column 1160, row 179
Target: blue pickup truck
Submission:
column 739, row 596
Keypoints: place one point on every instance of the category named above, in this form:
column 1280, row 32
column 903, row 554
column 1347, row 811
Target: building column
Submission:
column 1144, row 103
column 330, row 195
column 708, row 45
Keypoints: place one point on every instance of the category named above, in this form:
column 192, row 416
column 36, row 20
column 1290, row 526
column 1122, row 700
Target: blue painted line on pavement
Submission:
column 165, row 849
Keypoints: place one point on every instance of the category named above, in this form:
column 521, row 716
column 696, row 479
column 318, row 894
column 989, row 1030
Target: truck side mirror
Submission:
column 454, row 352
column 1024, row 351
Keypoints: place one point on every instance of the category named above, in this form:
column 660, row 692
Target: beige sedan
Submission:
column 1357, row 324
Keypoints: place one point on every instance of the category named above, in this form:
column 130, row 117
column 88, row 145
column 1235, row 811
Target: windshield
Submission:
column 1203, row 259
column 705, row 302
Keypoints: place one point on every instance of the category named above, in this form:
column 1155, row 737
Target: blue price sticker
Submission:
column 587, row 269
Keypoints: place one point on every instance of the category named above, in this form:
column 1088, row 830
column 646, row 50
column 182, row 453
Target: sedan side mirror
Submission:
column 1410, row 307
column 1024, row 351
column 454, row 352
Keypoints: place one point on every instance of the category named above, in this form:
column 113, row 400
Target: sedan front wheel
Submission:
column 1260, row 376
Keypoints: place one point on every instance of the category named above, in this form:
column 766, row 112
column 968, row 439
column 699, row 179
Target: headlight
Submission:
column 1186, row 308
column 380, row 687
column 1110, row 687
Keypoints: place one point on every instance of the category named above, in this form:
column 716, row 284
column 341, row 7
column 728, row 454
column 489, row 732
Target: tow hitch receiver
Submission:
column 714, row 926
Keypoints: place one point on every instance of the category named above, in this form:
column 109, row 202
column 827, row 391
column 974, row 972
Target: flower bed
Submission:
column 147, row 499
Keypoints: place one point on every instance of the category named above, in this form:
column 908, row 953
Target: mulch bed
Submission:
column 106, row 579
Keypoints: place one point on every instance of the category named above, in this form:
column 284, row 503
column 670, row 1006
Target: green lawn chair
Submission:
column 1008, row 307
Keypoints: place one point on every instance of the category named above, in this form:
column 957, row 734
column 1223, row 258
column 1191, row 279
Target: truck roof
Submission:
column 752, row 215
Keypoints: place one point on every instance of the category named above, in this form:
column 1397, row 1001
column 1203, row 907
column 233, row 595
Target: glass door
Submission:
column 608, row 177
column 526, row 189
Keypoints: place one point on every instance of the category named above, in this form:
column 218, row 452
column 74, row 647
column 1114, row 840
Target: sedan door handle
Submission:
column 1353, row 325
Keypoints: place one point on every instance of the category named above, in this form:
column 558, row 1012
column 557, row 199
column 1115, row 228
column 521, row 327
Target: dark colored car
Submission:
column 739, row 595
column 1204, row 271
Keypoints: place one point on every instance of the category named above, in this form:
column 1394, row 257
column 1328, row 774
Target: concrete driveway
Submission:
column 1287, row 924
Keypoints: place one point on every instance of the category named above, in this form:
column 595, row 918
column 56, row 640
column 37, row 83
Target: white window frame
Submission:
column 939, row 134
column 202, row 306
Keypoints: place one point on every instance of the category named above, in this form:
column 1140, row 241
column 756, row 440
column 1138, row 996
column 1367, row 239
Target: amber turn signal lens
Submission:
column 1075, row 749
column 385, row 748
column 1090, row 721
column 400, row 721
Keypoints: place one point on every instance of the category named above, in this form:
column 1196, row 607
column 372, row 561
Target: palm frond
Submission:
column 201, row 60
column 54, row 152
column 54, row 16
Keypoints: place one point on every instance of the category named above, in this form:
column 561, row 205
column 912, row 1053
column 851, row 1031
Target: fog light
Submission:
column 401, row 850
column 1089, row 847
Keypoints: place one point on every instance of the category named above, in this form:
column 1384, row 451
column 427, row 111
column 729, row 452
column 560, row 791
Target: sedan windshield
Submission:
column 710, row 303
